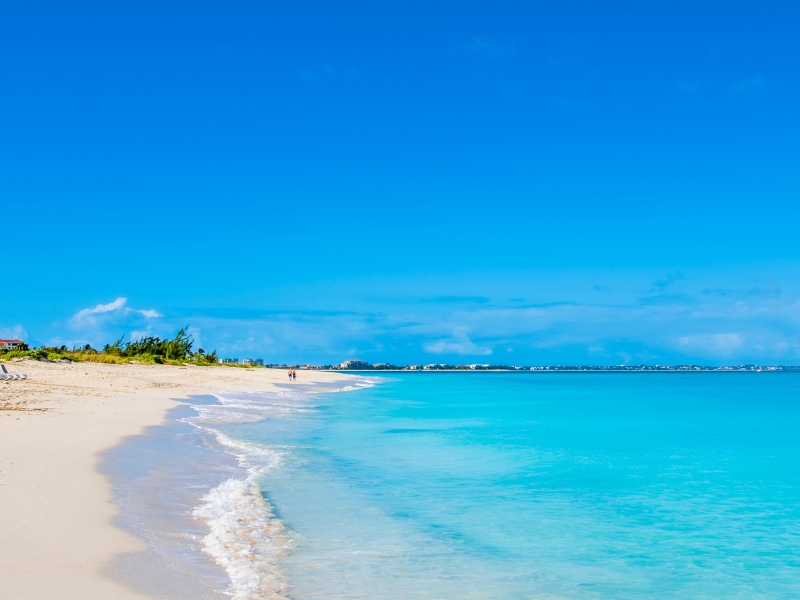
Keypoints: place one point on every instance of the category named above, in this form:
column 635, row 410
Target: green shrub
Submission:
column 148, row 350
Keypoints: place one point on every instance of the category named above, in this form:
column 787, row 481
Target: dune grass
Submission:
column 148, row 350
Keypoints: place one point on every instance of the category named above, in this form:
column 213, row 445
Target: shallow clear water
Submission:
column 493, row 485
column 157, row 479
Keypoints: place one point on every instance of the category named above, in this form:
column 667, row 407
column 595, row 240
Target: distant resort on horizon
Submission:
column 361, row 365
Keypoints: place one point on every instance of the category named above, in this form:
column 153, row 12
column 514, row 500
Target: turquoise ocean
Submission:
column 512, row 486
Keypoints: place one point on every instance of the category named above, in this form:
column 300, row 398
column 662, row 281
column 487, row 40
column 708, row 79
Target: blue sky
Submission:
column 525, row 183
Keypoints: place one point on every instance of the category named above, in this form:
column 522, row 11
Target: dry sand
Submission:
column 55, row 508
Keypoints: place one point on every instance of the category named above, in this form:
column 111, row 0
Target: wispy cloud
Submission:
column 456, row 300
column 667, row 280
column 100, row 309
column 100, row 323
column 14, row 333
column 718, row 344
column 117, row 307
column 565, row 318
column 459, row 344
column 130, row 326
column 682, row 326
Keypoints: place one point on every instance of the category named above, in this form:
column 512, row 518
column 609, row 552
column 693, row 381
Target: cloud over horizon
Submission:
column 118, row 307
column 103, row 323
column 16, row 332
column 542, row 318
column 459, row 344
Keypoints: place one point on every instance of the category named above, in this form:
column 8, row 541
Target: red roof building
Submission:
column 9, row 344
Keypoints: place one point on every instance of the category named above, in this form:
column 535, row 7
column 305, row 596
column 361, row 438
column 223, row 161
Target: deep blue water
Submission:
column 495, row 485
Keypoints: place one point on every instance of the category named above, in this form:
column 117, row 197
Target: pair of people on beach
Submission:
column 292, row 374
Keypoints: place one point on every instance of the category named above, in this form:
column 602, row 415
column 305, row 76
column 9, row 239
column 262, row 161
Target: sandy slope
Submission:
column 55, row 510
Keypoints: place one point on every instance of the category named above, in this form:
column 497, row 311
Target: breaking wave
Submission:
column 245, row 539
column 251, row 407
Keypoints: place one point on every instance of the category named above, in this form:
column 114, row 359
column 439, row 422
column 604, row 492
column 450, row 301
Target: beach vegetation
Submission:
column 147, row 350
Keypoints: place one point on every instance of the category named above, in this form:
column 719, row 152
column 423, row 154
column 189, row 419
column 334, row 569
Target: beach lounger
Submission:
column 6, row 376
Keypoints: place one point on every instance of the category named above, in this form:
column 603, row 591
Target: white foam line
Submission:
column 255, row 457
column 245, row 539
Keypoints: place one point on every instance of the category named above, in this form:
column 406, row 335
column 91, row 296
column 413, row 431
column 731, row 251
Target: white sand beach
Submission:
column 56, row 534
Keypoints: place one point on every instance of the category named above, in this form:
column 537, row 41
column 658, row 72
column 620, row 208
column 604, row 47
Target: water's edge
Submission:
column 157, row 479
column 191, row 494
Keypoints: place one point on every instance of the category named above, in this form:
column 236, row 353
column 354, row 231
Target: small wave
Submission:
column 246, row 540
column 251, row 407
column 361, row 384
column 245, row 537
column 256, row 458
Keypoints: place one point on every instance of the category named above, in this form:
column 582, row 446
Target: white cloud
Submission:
column 459, row 344
column 724, row 319
column 13, row 333
column 714, row 327
column 719, row 344
column 117, row 304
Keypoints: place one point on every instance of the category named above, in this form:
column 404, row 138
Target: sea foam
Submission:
column 245, row 539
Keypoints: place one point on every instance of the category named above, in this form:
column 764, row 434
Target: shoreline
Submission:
column 157, row 479
column 56, row 514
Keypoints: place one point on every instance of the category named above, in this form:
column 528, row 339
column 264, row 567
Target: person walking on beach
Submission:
column 294, row 374
column 290, row 374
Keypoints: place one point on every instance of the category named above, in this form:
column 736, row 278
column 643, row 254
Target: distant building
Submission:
column 256, row 362
column 10, row 344
column 229, row 361
column 354, row 364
